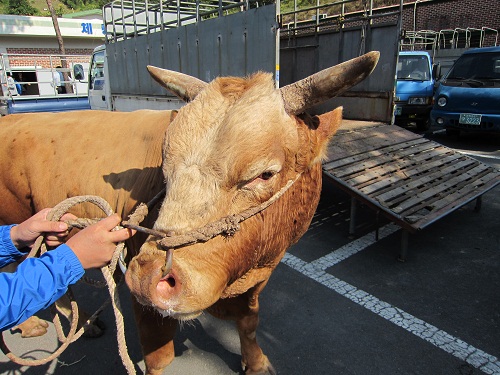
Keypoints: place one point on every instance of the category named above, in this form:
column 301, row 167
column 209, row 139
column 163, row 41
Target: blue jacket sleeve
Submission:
column 37, row 282
column 8, row 252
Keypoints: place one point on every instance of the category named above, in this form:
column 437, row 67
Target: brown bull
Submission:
column 236, row 144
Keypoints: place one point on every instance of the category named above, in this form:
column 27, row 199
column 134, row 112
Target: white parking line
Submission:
column 474, row 154
column 316, row 271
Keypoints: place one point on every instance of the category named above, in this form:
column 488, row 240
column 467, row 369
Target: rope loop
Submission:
column 39, row 247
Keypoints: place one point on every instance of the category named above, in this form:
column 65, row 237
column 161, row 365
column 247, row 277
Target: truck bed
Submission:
column 411, row 180
column 62, row 103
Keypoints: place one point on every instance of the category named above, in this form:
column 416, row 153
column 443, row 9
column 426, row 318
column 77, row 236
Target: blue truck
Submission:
column 468, row 97
column 39, row 83
column 415, row 80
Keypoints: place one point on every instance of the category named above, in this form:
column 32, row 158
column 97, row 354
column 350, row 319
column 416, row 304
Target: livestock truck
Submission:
column 43, row 83
column 228, row 38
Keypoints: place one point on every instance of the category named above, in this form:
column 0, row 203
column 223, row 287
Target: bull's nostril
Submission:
column 170, row 281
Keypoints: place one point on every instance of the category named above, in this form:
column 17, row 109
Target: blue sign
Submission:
column 87, row 28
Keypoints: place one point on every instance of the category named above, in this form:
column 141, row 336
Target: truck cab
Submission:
column 415, row 79
column 99, row 92
column 468, row 97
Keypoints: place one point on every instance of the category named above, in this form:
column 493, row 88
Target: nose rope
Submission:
column 226, row 226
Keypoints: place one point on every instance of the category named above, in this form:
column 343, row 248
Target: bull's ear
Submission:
column 329, row 123
column 182, row 85
column 328, row 83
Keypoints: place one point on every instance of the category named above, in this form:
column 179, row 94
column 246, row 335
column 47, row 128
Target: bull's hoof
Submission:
column 94, row 330
column 32, row 327
column 266, row 368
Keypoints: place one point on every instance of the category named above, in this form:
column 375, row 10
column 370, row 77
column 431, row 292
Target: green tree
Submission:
column 21, row 7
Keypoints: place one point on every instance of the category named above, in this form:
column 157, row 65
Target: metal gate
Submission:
column 229, row 39
column 329, row 38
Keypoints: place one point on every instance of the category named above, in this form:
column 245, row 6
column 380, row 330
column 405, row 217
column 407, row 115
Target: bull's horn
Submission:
column 182, row 85
column 327, row 83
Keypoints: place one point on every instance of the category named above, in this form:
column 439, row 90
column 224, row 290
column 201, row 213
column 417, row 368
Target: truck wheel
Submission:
column 452, row 132
column 423, row 125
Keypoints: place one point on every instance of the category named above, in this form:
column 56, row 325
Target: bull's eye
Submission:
column 267, row 175
column 260, row 176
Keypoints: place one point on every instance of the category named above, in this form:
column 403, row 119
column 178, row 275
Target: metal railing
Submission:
column 423, row 39
column 35, row 74
column 125, row 19
column 468, row 37
column 333, row 15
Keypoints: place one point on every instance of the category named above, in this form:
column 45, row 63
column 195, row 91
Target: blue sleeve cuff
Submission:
column 8, row 252
column 66, row 255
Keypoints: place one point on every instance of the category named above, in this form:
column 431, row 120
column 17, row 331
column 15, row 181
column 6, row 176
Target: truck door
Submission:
column 98, row 87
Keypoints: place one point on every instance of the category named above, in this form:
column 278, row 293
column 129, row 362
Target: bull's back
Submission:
column 48, row 157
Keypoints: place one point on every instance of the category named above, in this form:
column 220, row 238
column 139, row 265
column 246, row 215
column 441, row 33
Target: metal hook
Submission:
column 167, row 267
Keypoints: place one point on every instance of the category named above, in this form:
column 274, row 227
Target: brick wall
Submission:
column 449, row 14
column 17, row 56
column 50, row 51
column 440, row 15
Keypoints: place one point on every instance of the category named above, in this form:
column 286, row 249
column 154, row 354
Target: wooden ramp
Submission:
column 409, row 179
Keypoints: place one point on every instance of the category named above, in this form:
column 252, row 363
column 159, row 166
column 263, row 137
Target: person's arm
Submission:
column 38, row 282
column 8, row 252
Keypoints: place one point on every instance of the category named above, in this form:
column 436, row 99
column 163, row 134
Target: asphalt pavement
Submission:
column 341, row 305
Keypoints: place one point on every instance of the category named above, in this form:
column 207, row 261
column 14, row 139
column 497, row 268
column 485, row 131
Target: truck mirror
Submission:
column 436, row 71
column 78, row 72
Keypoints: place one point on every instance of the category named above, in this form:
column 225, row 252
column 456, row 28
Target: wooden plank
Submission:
column 411, row 180
column 397, row 167
column 348, row 143
column 458, row 198
column 397, row 190
column 381, row 162
column 462, row 188
column 439, row 186
column 372, row 154
column 424, row 176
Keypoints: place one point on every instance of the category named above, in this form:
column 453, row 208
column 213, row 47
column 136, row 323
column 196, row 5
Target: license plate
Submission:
column 398, row 111
column 470, row 119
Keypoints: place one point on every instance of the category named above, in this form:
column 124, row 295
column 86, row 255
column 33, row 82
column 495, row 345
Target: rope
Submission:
column 227, row 226
column 39, row 247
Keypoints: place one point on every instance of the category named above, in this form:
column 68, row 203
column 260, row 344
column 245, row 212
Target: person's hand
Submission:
column 25, row 234
column 94, row 246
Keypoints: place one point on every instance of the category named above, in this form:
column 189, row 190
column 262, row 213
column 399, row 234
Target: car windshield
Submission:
column 413, row 68
column 476, row 66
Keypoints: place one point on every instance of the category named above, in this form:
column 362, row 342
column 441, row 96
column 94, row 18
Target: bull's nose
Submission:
column 168, row 287
column 152, row 278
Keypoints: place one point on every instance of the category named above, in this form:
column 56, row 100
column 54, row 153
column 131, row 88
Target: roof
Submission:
column 482, row 50
column 86, row 14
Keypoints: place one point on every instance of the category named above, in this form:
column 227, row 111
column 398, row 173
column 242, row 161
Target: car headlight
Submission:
column 442, row 101
column 418, row 100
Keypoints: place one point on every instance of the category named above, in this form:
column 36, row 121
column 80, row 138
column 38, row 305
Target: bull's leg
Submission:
column 244, row 309
column 92, row 330
column 253, row 359
column 157, row 338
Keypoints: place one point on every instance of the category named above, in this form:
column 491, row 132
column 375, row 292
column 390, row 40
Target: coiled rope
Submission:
column 39, row 248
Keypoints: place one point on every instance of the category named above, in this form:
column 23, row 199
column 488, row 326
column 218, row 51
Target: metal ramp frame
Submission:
column 407, row 178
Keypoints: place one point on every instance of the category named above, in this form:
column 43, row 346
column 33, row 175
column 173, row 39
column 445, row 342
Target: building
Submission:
column 36, row 35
